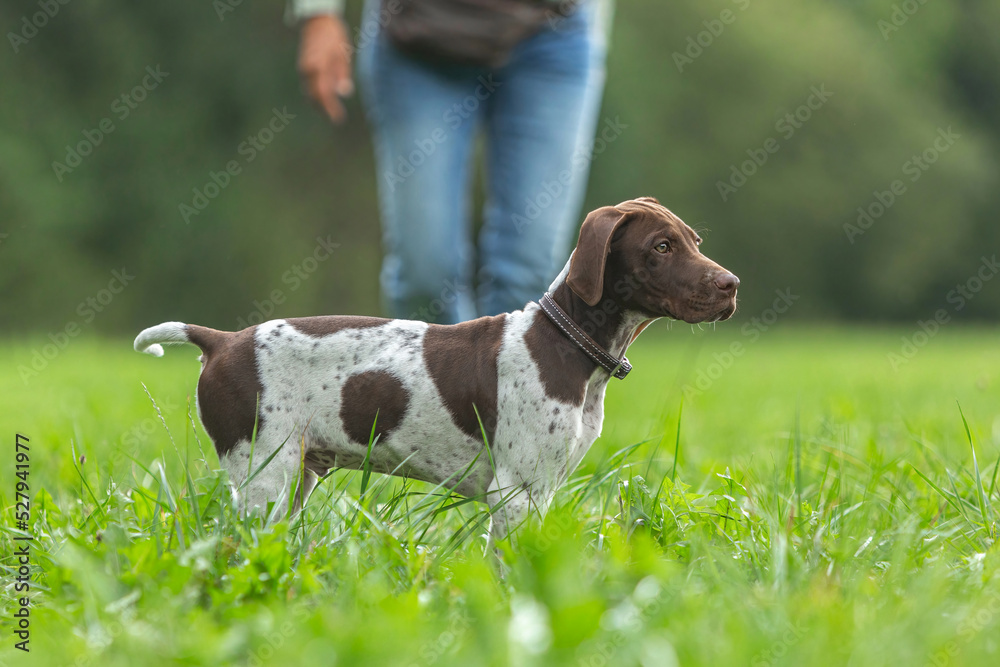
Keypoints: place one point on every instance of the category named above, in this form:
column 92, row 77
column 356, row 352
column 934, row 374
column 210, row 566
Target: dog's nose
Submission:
column 727, row 282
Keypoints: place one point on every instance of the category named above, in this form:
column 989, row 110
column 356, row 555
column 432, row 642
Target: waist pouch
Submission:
column 467, row 32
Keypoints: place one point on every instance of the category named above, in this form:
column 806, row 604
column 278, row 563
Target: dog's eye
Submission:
column 663, row 247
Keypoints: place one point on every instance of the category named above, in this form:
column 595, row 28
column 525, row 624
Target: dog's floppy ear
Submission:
column 586, row 269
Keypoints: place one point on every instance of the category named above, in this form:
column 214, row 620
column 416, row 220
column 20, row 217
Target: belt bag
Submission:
column 467, row 32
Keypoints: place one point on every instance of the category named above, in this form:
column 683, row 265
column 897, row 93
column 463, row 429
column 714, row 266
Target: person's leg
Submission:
column 540, row 128
column 423, row 125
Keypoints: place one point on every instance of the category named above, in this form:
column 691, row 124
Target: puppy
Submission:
column 501, row 409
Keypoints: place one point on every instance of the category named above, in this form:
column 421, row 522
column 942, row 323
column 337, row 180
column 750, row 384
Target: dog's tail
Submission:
column 151, row 340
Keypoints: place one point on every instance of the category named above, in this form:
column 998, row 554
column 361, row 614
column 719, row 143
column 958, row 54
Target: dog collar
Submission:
column 618, row 368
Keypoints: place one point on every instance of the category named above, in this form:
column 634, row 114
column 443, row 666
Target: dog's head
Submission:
column 645, row 258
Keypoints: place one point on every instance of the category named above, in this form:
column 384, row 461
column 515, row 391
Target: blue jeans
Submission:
column 537, row 115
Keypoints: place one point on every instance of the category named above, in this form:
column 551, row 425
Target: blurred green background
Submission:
column 699, row 92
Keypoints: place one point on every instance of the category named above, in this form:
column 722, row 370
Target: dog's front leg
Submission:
column 509, row 504
column 304, row 489
column 511, row 500
column 256, row 484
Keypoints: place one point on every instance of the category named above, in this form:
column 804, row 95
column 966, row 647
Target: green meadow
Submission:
column 798, row 497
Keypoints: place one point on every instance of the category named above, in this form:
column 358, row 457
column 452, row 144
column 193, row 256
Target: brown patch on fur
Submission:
column 331, row 324
column 229, row 386
column 365, row 393
column 563, row 367
column 462, row 361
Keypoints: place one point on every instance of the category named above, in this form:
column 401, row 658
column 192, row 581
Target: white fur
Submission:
column 148, row 340
column 426, row 445
column 537, row 442
column 293, row 370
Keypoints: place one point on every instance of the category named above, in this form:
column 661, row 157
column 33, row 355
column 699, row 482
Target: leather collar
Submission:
column 618, row 368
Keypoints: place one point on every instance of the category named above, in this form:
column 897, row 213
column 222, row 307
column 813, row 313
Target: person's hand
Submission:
column 325, row 63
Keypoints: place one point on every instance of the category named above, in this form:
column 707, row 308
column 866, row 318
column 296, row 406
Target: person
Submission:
column 537, row 113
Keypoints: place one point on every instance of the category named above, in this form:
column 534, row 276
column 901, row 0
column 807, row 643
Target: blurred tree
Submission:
column 769, row 124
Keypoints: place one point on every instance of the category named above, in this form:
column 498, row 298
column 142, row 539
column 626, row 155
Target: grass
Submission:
column 808, row 505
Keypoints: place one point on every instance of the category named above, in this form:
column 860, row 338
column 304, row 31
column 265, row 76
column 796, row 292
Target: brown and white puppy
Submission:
column 314, row 386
